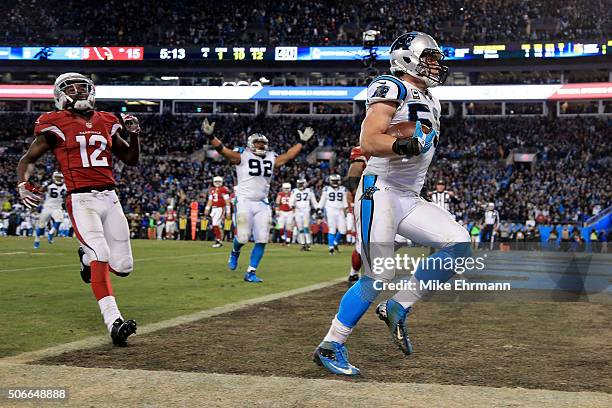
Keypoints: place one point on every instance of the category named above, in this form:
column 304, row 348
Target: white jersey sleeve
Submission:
column 254, row 174
column 387, row 88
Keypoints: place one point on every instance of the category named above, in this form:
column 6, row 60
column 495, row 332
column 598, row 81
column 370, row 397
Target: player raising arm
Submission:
column 83, row 141
column 254, row 168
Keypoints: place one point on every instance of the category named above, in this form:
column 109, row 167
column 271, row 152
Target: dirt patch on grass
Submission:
column 548, row 345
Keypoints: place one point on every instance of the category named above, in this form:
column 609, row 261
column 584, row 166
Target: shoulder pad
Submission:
column 387, row 88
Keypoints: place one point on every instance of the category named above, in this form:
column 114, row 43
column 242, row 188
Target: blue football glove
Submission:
column 425, row 141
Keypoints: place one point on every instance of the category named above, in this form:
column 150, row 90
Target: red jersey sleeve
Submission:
column 47, row 123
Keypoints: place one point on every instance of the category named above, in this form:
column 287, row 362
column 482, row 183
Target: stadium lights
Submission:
column 169, row 78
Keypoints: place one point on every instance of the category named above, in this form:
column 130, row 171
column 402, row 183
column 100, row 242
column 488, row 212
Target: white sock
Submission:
column 408, row 297
column 251, row 269
column 337, row 332
column 353, row 272
column 110, row 311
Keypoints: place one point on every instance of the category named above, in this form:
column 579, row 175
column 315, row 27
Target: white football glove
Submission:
column 131, row 123
column 306, row 134
column 30, row 195
column 208, row 128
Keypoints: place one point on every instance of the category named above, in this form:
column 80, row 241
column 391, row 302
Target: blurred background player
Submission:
column 83, row 141
column 334, row 202
column 388, row 196
column 254, row 168
column 284, row 212
column 170, row 222
column 303, row 200
column 218, row 208
column 28, row 220
column 52, row 210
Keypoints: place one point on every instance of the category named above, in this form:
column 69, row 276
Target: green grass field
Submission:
column 44, row 302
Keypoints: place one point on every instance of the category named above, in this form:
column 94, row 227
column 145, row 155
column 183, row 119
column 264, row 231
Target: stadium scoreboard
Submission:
column 532, row 50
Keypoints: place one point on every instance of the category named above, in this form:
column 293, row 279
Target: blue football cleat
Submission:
column 232, row 262
column 50, row 238
column 252, row 277
column 334, row 357
column 36, row 244
column 394, row 315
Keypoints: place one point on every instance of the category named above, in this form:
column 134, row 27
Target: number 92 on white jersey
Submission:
column 254, row 174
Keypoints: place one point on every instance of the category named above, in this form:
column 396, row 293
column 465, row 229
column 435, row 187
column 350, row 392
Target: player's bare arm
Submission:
column 293, row 152
column 354, row 175
column 208, row 129
column 39, row 147
column 129, row 153
column 406, row 139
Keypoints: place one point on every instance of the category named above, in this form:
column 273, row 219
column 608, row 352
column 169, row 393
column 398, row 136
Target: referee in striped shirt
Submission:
column 441, row 197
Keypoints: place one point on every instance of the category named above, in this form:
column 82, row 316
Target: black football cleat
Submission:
column 121, row 331
column 352, row 279
column 85, row 270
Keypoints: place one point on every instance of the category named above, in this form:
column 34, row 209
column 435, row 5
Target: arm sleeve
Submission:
column 386, row 88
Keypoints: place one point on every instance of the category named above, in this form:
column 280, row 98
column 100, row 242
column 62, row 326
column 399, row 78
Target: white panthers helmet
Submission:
column 217, row 181
column 334, row 180
column 301, row 184
column 257, row 137
column 286, row 187
column 408, row 54
column 74, row 91
column 58, row 178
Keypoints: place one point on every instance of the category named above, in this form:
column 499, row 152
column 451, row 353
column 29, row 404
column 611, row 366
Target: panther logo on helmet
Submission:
column 413, row 53
column 258, row 138
column 74, row 91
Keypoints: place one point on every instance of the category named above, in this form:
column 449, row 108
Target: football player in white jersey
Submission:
column 303, row 200
column 388, row 200
column 334, row 202
column 55, row 193
column 254, row 168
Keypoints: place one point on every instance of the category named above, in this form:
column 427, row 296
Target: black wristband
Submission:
column 406, row 147
column 219, row 148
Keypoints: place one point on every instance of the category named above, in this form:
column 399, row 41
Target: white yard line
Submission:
column 158, row 258
column 94, row 341
column 12, row 253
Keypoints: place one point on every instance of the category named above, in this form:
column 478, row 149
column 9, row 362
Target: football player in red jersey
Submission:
column 217, row 206
column 83, row 141
column 358, row 164
column 284, row 211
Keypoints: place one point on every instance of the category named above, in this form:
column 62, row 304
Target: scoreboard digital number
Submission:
column 214, row 53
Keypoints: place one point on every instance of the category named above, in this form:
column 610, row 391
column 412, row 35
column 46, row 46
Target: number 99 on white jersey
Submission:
column 254, row 174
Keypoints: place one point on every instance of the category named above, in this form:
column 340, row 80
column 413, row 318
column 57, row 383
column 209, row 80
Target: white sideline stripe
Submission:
column 34, row 268
column 157, row 388
column 95, row 341
column 12, row 253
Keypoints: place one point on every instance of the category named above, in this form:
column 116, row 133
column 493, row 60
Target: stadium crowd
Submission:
column 297, row 22
column 567, row 184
